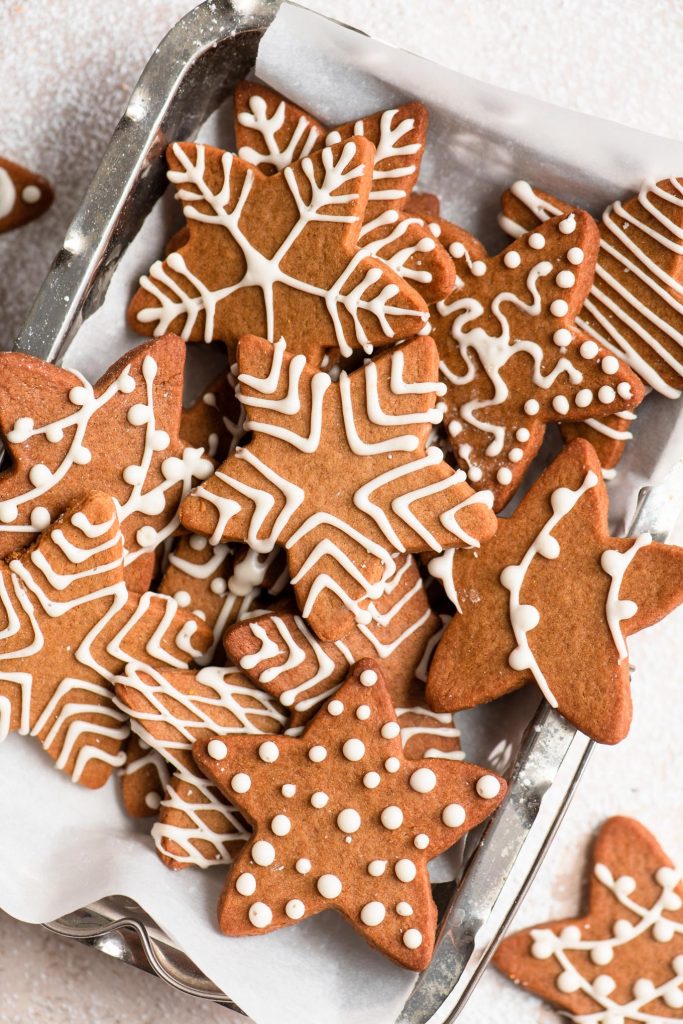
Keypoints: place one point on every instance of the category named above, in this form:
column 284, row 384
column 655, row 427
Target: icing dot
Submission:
column 368, row 677
column 531, row 407
column 372, row 913
column 153, row 801
column 478, row 268
column 412, row 939
column 319, row 800
column 543, row 947
column 371, row 780
column 522, row 435
column 22, row 429
column 138, row 414
column 562, row 337
column 453, row 815
column 665, row 877
column 8, row 512
column 423, row 780
column 353, row 750
column 457, row 250
column 421, row 841
column 159, row 441
column 405, row 870
column 575, row 255
column 536, row 240
column 317, row 754
column 182, row 598
column 568, row 225
column 622, row 929
column 376, row 868
column 624, row 389
column 288, row 790
column 147, row 537
column 515, row 455
column 673, row 997
column 263, row 853
column 31, row 194
column 40, row 475
column 335, row 708
column 504, row 475
column 558, row 307
column 606, row 394
column 565, row 279
column 390, row 730
column 663, row 931
column 677, row 965
column 197, row 542
column 218, row 586
column 488, row 787
column 392, row 817
column 671, row 901
column 78, row 395
column 474, row 473
column 584, row 397
column 604, row 985
column 643, row 989
column 601, row 954
column 363, row 712
column 281, row 825
column 392, row 765
column 260, row 915
column 303, row 865
column 217, row 749
column 404, row 909
column 348, row 820
column 329, row 887
column 295, row 910
column 512, row 259
column 610, row 365
column 240, row 783
column 588, row 350
column 40, row 518
column 246, row 884
column 561, row 404
column 126, row 383
column 568, row 981
column 268, row 752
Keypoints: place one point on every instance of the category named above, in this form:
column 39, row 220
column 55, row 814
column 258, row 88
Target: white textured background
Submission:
column 66, row 69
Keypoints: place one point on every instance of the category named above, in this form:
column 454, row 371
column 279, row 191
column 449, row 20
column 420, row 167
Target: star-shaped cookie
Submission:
column 281, row 655
column 338, row 474
column 512, row 358
column 276, row 256
column 272, row 133
column 70, row 624
column 551, row 600
column 23, row 195
column 67, row 438
column 623, row 961
column 169, row 710
column 341, row 820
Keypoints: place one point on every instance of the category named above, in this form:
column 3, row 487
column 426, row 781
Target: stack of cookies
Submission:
column 263, row 610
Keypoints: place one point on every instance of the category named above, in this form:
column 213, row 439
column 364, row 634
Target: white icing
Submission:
column 615, row 563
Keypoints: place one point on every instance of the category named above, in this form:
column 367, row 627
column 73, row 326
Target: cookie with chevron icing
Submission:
column 340, row 475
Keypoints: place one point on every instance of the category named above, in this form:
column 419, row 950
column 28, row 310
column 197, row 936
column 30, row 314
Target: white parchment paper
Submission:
column 62, row 847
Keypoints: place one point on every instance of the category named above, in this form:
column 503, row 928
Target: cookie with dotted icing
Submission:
column 281, row 654
column 143, row 779
column 23, row 195
column 512, row 359
column 212, row 422
column 338, row 474
column 67, row 437
column 343, row 821
column 169, row 710
column 622, row 961
column 551, row 600
column 220, row 584
column 70, row 626
column 271, row 133
column 277, row 255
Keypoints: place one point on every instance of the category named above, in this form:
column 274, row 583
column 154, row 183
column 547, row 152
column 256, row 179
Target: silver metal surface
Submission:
column 190, row 74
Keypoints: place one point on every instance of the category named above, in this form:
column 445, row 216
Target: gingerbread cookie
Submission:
column 278, row 256
column 23, row 195
column 144, row 778
column 219, row 585
column 169, row 711
column 341, row 820
column 553, row 565
column 71, row 625
column 281, row 655
column 212, row 422
column 423, row 204
column 339, row 475
column 67, row 437
column 623, row 961
column 272, row 133
column 513, row 360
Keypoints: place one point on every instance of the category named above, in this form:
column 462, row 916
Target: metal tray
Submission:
column 193, row 70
